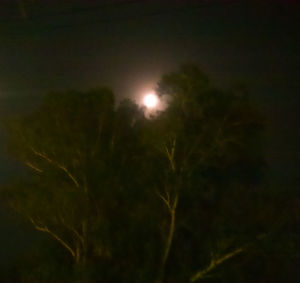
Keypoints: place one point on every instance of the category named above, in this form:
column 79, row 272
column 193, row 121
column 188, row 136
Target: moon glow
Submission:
column 150, row 100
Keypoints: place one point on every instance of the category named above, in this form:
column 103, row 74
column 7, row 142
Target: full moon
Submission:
column 150, row 100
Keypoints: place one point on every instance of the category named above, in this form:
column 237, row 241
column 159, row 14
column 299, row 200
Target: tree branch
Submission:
column 175, row 202
column 214, row 263
column 29, row 164
column 172, row 210
column 56, row 237
column 60, row 166
column 170, row 154
column 165, row 200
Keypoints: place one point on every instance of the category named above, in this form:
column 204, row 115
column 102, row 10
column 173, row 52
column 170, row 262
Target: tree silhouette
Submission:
column 74, row 145
column 160, row 199
column 203, row 130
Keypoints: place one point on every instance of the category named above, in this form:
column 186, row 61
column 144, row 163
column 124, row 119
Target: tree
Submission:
column 79, row 150
column 204, row 134
column 133, row 196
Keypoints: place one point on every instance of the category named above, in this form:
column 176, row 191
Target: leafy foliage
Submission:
column 128, row 199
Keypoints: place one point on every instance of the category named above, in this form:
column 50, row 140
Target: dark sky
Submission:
column 128, row 45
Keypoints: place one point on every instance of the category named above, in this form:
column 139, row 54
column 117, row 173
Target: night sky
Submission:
column 128, row 45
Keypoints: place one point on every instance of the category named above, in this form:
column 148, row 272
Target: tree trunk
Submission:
column 78, row 254
column 167, row 247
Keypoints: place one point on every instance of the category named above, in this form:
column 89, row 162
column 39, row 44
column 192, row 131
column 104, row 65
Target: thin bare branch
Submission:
column 173, row 148
column 56, row 237
column 57, row 164
column 166, row 201
column 29, row 164
column 170, row 154
column 172, row 210
column 214, row 263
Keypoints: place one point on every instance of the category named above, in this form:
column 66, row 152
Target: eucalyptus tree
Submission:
column 202, row 130
column 92, row 168
column 79, row 149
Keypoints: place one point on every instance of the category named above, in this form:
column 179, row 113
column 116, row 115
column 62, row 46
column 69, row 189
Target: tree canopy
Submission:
column 131, row 199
